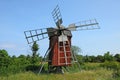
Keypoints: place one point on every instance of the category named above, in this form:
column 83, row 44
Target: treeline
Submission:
column 99, row 58
column 12, row 64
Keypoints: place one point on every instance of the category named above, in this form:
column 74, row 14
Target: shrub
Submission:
column 116, row 74
column 111, row 65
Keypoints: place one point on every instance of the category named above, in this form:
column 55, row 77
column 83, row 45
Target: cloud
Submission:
column 7, row 46
column 12, row 46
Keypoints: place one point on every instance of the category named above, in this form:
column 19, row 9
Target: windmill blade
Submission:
column 84, row 25
column 57, row 16
column 35, row 35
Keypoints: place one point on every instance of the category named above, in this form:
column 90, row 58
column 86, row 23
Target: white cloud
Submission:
column 7, row 46
column 14, row 48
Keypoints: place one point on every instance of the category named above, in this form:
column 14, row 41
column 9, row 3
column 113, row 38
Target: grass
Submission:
column 101, row 74
column 91, row 71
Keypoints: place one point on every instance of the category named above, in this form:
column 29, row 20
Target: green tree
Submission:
column 92, row 58
column 75, row 50
column 4, row 58
column 100, row 58
column 108, row 56
column 3, row 53
column 35, row 48
column 80, row 59
column 35, row 56
column 24, row 60
column 117, row 57
column 86, row 58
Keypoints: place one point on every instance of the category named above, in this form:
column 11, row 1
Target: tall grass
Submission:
column 89, row 71
column 101, row 74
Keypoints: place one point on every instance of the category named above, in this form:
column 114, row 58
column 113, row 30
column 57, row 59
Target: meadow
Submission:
column 101, row 67
column 91, row 71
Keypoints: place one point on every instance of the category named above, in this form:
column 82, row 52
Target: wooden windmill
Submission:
column 59, row 52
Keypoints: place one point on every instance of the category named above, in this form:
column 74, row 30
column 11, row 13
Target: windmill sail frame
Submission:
column 59, row 55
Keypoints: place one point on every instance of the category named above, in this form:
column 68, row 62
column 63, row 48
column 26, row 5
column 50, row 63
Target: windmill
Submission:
column 59, row 52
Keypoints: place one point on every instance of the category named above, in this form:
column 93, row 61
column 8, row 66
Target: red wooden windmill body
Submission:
column 58, row 49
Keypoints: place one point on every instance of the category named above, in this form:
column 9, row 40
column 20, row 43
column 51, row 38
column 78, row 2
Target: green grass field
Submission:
column 92, row 74
column 100, row 74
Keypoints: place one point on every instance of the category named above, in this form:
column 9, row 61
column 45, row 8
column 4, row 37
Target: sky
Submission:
column 17, row 16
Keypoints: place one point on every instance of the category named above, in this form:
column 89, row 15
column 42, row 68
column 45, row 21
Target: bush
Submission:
column 111, row 65
column 32, row 67
column 91, row 66
column 116, row 74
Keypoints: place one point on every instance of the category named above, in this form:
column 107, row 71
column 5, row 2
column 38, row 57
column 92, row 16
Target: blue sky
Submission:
column 17, row 16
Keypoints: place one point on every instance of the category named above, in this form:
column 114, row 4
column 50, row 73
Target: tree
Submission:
column 4, row 58
column 100, row 58
column 3, row 53
column 35, row 48
column 92, row 58
column 24, row 60
column 108, row 56
column 75, row 50
column 117, row 57
column 35, row 56
column 86, row 58
column 80, row 59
